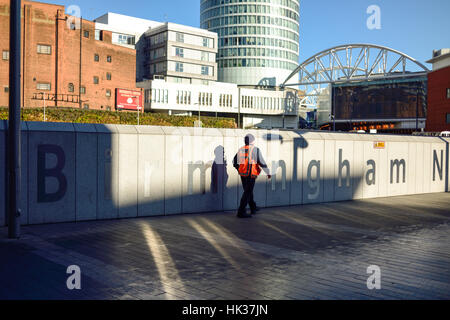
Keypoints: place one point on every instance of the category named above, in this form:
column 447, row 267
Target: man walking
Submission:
column 249, row 162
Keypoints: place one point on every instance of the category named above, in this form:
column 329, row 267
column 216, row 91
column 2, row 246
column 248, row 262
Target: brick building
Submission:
column 439, row 92
column 65, row 60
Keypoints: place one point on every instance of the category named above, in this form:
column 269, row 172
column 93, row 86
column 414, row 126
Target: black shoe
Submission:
column 244, row 215
column 256, row 210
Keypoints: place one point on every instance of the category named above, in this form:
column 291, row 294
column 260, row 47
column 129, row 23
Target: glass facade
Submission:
column 253, row 34
column 383, row 100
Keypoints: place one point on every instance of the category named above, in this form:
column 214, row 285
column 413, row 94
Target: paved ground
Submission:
column 305, row 252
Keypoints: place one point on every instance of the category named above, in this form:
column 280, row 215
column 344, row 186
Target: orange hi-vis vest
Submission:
column 247, row 165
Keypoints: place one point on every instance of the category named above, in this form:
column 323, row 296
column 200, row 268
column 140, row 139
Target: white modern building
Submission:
column 126, row 30
column 177, row 67
column 258, row 40
column 251, row 107
column 177, row 53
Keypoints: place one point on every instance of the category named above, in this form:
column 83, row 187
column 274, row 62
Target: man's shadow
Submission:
column 219, row 174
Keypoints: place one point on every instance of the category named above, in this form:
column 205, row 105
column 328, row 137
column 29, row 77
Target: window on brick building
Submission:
column 108, row 108
column 6, row 89
column 44, row 49
column 5, row 55
column 108, row 59
column 98, row 35
column 95, row 80
column 83, row 90
column 85, row 106
column 108, row 93
column 108, row 76
column 448, row 118
column 86, row 34
column 448, row 93
column 44, row 86
column 71, row 87
column 96, row 58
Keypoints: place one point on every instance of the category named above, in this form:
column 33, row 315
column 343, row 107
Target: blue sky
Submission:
column 415, row 27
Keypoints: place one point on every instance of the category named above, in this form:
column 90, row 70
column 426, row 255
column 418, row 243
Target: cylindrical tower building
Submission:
column 258, row 40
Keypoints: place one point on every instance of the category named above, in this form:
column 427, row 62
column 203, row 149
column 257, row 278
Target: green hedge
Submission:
column 111, row 117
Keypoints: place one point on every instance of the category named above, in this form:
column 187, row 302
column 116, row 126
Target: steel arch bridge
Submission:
column 354, row 62
column 350, row 63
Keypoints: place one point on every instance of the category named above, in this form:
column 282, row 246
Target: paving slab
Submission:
column 315, row 251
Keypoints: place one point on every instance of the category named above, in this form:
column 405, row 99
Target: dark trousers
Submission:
column 248, row 184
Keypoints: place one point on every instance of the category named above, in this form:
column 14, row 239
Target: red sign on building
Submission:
column 128, row 99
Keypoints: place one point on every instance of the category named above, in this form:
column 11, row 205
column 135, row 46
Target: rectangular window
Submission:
column 108, row 76
column 85, row 106
column 179, row 67
column 108, row 93
column 205, row 70
column 44, row 86
column 98, row 35
column 83, row 90
column 95, row 80
column 448, row 118
column 96, row 58
column 6, row 89
column 180, row 37
column 179, row 52
column 44, row 49
column 5, row 55
column 206, row 42
column 126, row 39
column 86, row 34
column 109, row 59
column 448, row 93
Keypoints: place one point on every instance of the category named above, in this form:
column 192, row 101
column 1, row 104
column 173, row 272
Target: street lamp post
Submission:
column 14, row 130
column 138, row 109
column 417, row 110
column 43, row 95
column 199, row 114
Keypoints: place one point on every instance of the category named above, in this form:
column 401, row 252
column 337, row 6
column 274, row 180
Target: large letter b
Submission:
column 43, row 172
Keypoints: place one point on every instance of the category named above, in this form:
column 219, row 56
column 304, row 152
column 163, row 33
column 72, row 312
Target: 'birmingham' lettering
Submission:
column 192, row 167
column 43, row 173
column 438, row 165
column 314, row 183
column 342, row 165
column 371, row 175
column 398, row 163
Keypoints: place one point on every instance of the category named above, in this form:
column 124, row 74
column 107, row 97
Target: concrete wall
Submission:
column 76, row 172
